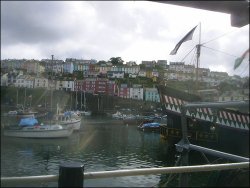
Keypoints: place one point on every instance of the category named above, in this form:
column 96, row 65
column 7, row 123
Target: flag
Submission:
column 239, row 60
column 187, row 37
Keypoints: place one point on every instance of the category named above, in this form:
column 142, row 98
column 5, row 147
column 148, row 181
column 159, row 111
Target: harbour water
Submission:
column 101, row 145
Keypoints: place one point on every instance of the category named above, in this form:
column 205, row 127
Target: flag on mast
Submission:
column 187, row 37
column 239, row 60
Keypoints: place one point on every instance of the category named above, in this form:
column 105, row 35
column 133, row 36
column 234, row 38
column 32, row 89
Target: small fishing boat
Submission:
column 30, row 128
column 153, row 124
column 132, row 119
column 86, row 113
column 69, row 119
column 118, row 115
column 150, row 126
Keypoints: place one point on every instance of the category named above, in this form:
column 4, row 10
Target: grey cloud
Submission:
column 32, row 22
column 120, row 20
column 113, row 15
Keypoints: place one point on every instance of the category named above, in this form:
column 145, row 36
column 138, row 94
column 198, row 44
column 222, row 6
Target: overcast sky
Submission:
column 132, row 30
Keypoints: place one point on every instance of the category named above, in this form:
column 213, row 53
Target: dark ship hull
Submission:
column 227, row 130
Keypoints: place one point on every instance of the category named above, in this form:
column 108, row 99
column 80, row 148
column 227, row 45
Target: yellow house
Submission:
column 154, row 78
column 149, row 74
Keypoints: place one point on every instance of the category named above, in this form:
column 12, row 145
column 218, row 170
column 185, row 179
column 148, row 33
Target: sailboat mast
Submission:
column 81, row 99
column 198, row 46
column 24, row 98
column 76, row 96
column 76, row 100
column 51, row 91
column 17, row 97
column 84, row 104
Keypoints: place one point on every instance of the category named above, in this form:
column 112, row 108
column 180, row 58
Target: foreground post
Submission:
column 71, row 175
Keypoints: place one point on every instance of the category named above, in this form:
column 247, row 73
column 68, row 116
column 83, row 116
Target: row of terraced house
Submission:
column 92, row 71
column 88, row 85
column 89, row 68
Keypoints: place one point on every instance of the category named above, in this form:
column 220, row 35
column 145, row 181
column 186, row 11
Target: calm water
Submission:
column 102, row 144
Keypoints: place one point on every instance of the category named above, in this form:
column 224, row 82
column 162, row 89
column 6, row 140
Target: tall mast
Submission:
column 51, row 92
column 76, row 96
column 81, row 100
column 76, row 100
column 24, row 98
column 17, row 97
column 198, row 46
column 84, row 104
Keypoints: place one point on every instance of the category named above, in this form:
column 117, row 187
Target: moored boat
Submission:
column 132, row 119
column 216, row 128
column 86, row 113
column 69, row 119
column 152, row 127
column 30, row 128
column 118, row 115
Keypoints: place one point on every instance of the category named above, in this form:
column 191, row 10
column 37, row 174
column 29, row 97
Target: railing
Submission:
column 69, row 174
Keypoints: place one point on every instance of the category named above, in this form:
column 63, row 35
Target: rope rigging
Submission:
column 218, row 37
column 220, row 51
column 188, row 53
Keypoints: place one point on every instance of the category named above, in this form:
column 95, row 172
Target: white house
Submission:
column 20, row 81
column 29, row 82
column 189, row 69
column 115, row 74
column 132, row 75
column 136, row 92
column 41, row 82
column 64, row 85
column 132, row 69
column 142, row 73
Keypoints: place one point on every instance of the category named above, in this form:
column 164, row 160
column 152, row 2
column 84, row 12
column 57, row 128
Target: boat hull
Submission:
column 149, row 129
column 75, row 124
column 223, row 138
column 86, row 113
column 33, row 133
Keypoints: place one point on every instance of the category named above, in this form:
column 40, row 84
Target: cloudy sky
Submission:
column 132, row 30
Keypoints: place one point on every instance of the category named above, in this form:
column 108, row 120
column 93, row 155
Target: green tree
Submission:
column 116, row 61
column 101, row 62
column 225, row 86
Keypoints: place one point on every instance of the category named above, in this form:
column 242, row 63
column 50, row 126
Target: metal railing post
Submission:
column 183, row 182
column 71, row 174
